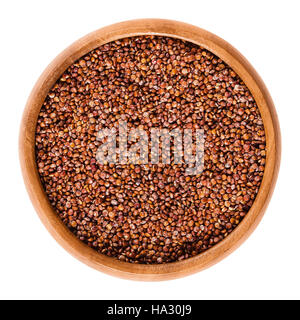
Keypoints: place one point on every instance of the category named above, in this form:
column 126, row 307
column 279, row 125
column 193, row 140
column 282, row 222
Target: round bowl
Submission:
column 51, row 220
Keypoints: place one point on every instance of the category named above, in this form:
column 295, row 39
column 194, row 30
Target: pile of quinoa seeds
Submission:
column 144, row 212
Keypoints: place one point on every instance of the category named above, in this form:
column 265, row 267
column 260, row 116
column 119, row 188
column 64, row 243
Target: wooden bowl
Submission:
column 41, row 203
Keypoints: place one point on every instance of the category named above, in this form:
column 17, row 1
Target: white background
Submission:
column 33, row 265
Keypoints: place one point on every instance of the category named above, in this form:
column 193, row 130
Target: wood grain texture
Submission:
column 40, row 201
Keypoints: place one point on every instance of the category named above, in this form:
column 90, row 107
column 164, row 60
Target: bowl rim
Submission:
column 51, row 220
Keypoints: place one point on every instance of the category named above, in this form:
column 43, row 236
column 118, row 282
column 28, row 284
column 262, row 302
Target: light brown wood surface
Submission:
column 40, row 201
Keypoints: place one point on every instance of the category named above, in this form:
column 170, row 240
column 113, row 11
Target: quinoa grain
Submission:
column 150, row 213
